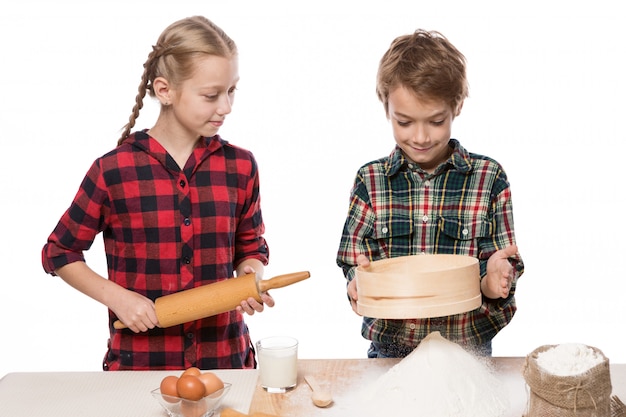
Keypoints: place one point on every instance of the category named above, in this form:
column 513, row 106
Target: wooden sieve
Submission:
column 418, row 286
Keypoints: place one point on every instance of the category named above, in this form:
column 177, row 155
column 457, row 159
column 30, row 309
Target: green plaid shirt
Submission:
column 463, row 208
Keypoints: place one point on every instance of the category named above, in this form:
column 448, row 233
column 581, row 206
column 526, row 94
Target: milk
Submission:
column 278, row 363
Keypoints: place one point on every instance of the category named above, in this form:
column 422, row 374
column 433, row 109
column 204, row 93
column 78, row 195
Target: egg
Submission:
column 192, row 371
column 211, row 382
column 168, row 388
column 190, row 387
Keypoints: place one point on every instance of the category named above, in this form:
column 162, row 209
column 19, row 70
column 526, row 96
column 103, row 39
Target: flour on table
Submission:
column 438, row 379
column 568, row 359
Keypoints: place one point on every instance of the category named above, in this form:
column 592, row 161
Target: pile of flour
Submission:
column 438, row 379
column 568, row 359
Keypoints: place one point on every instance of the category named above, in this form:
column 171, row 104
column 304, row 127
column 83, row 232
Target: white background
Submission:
column 546, row 100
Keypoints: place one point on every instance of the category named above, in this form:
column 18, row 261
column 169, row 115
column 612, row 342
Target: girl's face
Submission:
column 201, row 103
column 421, row 128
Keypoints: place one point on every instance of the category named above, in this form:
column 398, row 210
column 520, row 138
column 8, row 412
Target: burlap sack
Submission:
column 584, row 395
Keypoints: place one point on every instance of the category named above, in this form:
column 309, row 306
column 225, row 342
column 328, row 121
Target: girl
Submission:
column 178, row 207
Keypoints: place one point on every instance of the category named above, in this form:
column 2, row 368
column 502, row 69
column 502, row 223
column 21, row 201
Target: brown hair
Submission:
column 426, row 63
column 174, row 54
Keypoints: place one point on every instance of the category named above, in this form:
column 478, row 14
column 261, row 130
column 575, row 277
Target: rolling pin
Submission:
column 218, row 297
column 229, row 412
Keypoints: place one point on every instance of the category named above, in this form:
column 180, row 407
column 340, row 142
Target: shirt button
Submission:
column 412, row 326
column 465, row 232
column 384, row 230
column 182, row 183
column 425, row 218
column 427, row 183
column 189, row 335
column 187, row 260
column 187, row 221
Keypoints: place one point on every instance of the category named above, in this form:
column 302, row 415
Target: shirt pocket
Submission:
column 461, row 235
column 394, row 233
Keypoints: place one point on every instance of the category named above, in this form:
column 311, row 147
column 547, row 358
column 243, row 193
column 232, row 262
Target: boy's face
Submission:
column 421, row 128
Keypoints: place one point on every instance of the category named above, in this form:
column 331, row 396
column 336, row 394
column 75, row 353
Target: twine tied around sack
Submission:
column 578, row 388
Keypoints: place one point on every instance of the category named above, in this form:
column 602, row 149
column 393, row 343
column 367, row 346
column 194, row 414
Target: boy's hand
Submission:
column 500, row 274
column 363, row 261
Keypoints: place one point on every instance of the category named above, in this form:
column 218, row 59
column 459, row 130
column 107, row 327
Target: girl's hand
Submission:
column 251, row 306
column 135, row 311
column 500, row 274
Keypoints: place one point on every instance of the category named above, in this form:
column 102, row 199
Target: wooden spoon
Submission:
column 230, row 412
column 321, row 398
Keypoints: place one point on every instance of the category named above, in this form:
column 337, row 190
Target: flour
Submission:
column 438, row 379
column 568, row 359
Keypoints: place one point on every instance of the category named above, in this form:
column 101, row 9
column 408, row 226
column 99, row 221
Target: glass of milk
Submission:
column 278, row 363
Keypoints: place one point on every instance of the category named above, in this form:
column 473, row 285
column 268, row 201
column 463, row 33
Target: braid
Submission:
column 144, row 87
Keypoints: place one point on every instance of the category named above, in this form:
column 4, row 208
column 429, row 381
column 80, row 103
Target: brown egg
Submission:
column 193, row 408
column 168, row 387
column 190, row 387
column 211, row 382
column 192, row 371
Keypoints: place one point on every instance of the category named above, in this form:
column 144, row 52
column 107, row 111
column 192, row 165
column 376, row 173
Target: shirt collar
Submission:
column 459, row 160
column 144, row 141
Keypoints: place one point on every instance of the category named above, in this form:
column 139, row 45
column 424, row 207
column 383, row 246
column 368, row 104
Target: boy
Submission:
column 430, row 195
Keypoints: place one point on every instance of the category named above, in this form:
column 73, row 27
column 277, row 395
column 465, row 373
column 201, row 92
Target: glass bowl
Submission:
column 180, row 407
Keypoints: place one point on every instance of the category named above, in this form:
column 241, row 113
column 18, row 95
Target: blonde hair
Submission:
column 425, row 63
column 173, row 57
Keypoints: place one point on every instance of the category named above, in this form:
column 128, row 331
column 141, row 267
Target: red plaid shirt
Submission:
column 167, row 230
